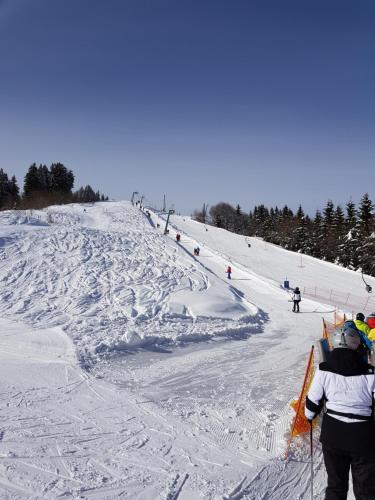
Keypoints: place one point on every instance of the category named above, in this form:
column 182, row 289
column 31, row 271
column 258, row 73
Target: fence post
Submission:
column 365, row 306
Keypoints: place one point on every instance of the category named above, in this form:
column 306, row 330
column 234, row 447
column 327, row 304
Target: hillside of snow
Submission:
column 129, row 368
column 317, row 279
column 111, row 281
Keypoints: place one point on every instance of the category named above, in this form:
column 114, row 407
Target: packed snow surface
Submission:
column 111, row 281
column 132, row 369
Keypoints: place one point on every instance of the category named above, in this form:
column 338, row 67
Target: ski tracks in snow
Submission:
column 98, row 281
column 205, row 422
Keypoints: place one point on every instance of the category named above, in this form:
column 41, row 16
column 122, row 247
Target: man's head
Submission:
column 360, row 317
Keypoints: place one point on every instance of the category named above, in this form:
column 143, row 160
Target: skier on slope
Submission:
column 229, row 272
column 296, row 299
column 347, row 384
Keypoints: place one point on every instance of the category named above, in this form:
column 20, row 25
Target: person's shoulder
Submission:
column 362, row 326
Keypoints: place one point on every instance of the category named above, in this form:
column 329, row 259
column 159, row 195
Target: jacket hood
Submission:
column 346, row 362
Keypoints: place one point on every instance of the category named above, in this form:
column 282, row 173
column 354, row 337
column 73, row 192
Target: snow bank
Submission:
column 113, row 282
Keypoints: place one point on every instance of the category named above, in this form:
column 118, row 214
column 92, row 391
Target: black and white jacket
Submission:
column 347, row 385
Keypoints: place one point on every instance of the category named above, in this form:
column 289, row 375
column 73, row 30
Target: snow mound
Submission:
column 26, row 217
column 112, row 281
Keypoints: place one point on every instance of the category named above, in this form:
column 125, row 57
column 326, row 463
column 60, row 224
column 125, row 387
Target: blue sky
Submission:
column 244, row 101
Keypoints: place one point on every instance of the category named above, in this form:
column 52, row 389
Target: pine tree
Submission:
column 366, row 236
column 300, row 213
column 261, row 216
column 44, row 178
column 347, row 249
column 339, row 225
column 286, row 226
column 367, row 256
column 4, row 188
column 317, row 247
column 328, row 233
column 366, row 216
column 62, row 179
column 299, row 236
column 32, row 182
column 351, row 215
column 339, row 231
column 14, row 191
column 239, row 221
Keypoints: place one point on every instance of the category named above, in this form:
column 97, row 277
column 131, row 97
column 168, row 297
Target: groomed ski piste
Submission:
column 131, row 369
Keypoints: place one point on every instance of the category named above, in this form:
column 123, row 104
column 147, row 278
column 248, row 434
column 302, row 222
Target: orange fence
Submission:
column 348, row 301
column 300, row 423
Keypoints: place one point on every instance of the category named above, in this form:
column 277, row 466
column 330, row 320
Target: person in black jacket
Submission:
column 346, row 383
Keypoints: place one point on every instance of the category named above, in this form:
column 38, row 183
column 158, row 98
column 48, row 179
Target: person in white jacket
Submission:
column 345, row 383
column 296, row 299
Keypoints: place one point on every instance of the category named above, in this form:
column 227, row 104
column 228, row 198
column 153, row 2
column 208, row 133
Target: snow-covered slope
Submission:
column 155, row 417
column 317, row 279
column 111, row 281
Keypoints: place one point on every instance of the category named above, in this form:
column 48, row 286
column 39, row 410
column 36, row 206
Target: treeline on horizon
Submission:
column 42, row 187
column 343, row 236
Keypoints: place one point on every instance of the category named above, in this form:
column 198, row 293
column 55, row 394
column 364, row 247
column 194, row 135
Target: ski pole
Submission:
column 312, row 462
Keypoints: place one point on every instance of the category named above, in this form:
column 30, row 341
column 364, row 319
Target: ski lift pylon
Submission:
column 367, row 286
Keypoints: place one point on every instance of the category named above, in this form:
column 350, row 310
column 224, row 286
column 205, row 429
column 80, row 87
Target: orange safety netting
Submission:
column 300, row 423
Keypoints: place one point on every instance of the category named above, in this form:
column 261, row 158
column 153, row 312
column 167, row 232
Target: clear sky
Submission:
column 244, row 101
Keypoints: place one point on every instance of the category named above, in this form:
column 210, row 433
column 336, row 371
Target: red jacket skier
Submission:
column 229, row 272
column 371, row 320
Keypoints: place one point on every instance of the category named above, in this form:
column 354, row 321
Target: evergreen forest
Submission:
column 345, row 236
column 44, row 186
